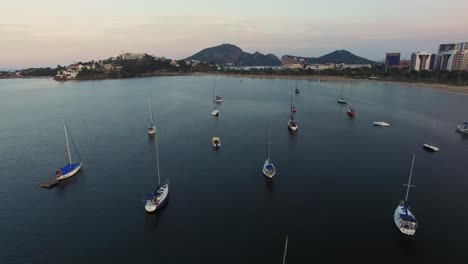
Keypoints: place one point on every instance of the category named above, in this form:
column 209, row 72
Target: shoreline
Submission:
column 436, row 86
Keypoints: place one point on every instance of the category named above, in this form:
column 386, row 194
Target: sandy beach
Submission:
column 441, row 87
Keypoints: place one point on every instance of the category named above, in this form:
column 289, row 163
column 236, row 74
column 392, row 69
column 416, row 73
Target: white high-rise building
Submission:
column 420, row 61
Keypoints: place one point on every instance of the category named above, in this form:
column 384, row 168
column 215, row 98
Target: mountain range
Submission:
column 228, row 54
column 231, row 55
column 338, row 56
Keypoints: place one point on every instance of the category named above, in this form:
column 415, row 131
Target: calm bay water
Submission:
column 338, row 181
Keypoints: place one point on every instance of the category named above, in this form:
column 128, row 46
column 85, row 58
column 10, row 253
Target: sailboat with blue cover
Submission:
column 158, row 198
column 71, row 168
column 404, row 219
column 269, row 169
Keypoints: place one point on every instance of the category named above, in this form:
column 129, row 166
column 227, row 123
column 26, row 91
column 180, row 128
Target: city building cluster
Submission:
column 450, row 57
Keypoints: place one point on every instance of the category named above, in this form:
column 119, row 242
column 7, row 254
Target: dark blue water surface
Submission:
column 338, row 180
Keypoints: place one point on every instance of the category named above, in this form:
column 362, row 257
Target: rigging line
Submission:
column 73, row 142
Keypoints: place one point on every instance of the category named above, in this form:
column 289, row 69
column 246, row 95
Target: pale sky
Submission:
column 51, row 32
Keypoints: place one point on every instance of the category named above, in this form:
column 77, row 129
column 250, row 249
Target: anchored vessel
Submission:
column 151, row 127
column 404, row 219
column 71, row 168
column 158, row 198
column 292, row 123
column 269, row 169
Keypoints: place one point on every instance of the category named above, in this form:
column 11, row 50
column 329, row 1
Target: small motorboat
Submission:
column 294, row 110
column 292, row 125
column 430, row 147
column 351, row 112
column 463, row 127
column 216, row 141
column 215, row 112
column 297, row 91
column 381, row 124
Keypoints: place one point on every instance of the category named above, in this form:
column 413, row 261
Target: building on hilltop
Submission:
column 131, row 56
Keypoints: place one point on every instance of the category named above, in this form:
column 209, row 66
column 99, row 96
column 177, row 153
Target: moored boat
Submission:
column 381, row 124
column 71, row 168
column 403, row 217
column 463, row 127
column 216, row 142
column 158, row 198
column 268, row 169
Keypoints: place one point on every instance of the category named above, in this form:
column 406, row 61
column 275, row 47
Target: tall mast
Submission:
column 409, row 180
column 342, row 90
column 214, row 87
column 157, row 158
column 268, row 142
column 285, row 250
column 151, row 114
column 66, row 139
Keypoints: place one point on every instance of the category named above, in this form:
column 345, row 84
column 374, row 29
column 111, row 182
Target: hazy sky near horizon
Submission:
column 51, row 32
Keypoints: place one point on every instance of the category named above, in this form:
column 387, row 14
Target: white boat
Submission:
column 215, row 112
column 158, row 198
column 71, row 168
column 404, row 219
column 216, row 142
column 292, row 123
column 429, row 146
column 463, row 127
column 342, row 100
column 216, row 99
column 381, row 123
column 269, row 169
column 151, row 127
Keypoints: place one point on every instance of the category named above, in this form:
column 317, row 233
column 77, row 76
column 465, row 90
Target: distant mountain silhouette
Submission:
column 228, row 54
column 338, row 56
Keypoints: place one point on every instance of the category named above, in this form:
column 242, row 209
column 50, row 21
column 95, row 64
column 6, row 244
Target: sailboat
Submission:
column 215, row 111
column 297, row 91
column 269, row 169
column 216, row 99
column 351, row 111
column 463, row 127
column 285, row 250
column 342, row 100
column 151, row 127
column 292, row 123
column 404, row 219
column 71, row 168
column 158, row 198
column 429, row 146
column 216, row 142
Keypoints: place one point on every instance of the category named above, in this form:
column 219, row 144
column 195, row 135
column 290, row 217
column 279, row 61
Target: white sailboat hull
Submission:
column 267, row 172
column 462, row 129
column 381, row 124
column 70, row 174
column 152, row 205
column 151, row 131
column 292, row 127
column 431, row 147
column 404, row 228
column 215, row 112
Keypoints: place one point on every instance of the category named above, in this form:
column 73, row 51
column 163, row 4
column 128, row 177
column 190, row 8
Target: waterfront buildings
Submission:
column 420, row 61
column 392, row 60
